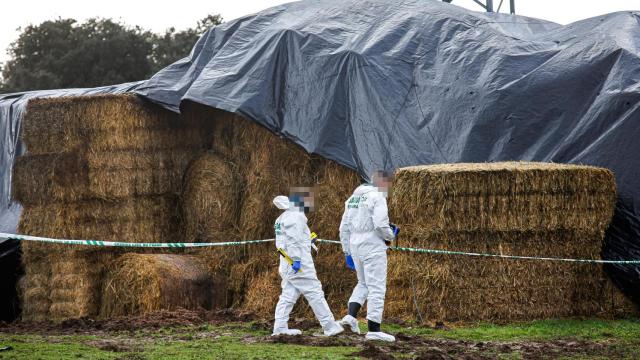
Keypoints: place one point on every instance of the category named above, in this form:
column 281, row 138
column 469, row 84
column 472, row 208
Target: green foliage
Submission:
column 172, row 45
column 63, row 53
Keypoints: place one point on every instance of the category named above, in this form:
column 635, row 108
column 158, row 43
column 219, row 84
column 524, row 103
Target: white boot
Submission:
column 286, row 331
column 351, row 322
column 334, row 329
column 379, row 335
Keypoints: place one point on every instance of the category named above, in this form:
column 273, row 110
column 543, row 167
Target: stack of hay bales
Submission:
column 262, row 166
column 563, row 213
column 114, row 168
column 103, row 167
column 228, row 194
column 514, row 208
column 143, row 283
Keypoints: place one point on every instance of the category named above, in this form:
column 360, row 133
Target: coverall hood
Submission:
column 282, row 202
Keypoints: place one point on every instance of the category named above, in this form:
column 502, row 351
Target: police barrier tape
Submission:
column 6, row 236
column 127, row 244
column 515, row 257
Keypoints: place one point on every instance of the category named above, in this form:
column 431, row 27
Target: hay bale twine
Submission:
column 143, row 283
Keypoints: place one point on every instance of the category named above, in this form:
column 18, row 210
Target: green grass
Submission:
column 229, row 349
column 173, row 343
column 229, row 341
column 39, row 347
column 593, row 329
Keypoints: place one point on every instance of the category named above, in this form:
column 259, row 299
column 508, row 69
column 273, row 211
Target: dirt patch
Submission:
column 425, row 348
column 129, row 345
column 314, row 340
column 155, row 320
column 371, row 351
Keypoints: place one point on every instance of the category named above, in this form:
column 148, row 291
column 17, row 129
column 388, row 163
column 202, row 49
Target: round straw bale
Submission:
column 142, row 283
column 210, row 199
column 209, row 205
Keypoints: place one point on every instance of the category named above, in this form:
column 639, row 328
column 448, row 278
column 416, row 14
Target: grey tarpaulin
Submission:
column 384, row 84
column 388, row 83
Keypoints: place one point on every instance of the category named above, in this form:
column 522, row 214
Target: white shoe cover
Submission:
column 379, row 335
column 351, row 322
column 291, row 332
column 335, row 329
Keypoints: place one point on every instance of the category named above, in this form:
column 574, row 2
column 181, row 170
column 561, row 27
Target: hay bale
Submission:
column 255, row 263
column 36, row 281
column 210, row 199
column 458, row 288
column 76, row 283
column 97, row 167
column 105, row 122
column 35, row 296
column 60, row 281
column 263, row 291
column 142, row 219
column 42, row 179
column 267, row 165
column 142, row 283
column 511, row 208
column 139, row 160
column 274, row 167
column 510, row 196
column 209, row 211
column 270, row 167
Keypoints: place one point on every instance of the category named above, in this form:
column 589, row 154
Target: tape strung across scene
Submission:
column 515, row 257
column 6, row 236
column 127, row 244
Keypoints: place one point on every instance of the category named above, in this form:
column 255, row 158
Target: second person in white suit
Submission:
column 365, row 232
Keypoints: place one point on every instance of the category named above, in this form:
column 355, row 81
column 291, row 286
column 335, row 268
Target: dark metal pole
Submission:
column 512, row 6
column 489, row 5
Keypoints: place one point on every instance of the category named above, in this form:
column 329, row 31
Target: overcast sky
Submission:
column 159, row 15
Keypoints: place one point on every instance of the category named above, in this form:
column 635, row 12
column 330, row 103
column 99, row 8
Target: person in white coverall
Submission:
column 365, row 232
column 294, row 237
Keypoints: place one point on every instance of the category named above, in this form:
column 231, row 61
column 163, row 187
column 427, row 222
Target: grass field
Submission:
column 570, row 339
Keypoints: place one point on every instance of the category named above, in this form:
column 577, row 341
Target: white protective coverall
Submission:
column 293, row 235
column 363, row 231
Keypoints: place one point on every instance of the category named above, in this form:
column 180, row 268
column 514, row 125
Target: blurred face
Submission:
column 309, row 201
column 303, row 197
column 382, row 181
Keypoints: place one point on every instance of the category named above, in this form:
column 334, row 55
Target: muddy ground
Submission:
column 113, row 334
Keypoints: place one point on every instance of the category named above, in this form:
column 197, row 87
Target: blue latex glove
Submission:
column 350, row 263
column 296, row 266
column 395, row 229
